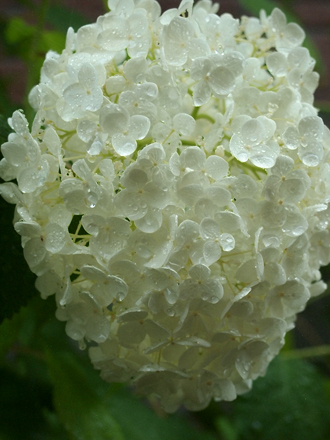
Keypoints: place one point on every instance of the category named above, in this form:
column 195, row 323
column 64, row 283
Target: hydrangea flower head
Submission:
column 173, row 194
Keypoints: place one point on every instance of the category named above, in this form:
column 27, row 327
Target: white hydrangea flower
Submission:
column 124, row 30
column 85, row 94
column 287, row 35
column 123, row 129
column 253, row 139
column 214, row 75
column 173, row 194
column 176, row 38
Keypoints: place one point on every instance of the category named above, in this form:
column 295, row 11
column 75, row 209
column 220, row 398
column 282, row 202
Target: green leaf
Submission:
column 20, row 407
column 9, row 331
column 61, row 18
column 256, row 6
column 83, row 413
column 20, row 33
column 227, row 430
column 22, row 339
column 288, row 403
column 52, row 40
column 4, row 129
column 17, row 281
column 145, row 424
column 18, row 30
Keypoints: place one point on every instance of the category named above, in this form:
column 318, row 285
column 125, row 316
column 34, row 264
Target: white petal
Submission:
column 200, row 67
column 115, row 36
column 291, row 138
column 19, row 123
column 184, row 124
column 34, row 252
column 311, row 129
column 10, row 192
column 107, row 169
column 15, row 154
column 237, row 148
column 216, row 167
column 253, row 132
column 87, row 76
column 265, row 154
column 131, row 333
column 92, row 101
column 176, row 37
column 228, row 221
column 123, row 145
column 199, row 272
column 211, row 252
column 86, row 129
column 74, row 95
column 56, row 238
column 277, row 64
column 115, row 84
column 31, row 178
column 227, row 242
column 151, row 222
column 201, row 93
column 193, row 157
column 222, row 81
column 209, row 229
column 28, row 229
column 139, row 126
column 113, row 119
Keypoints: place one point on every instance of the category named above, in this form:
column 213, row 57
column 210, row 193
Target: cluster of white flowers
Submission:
column 173, row 194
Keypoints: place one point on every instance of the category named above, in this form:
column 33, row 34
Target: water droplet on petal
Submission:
column 170, row 311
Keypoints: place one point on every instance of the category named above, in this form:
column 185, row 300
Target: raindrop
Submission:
column 81, row 344
column 170, row 312
column 227, row 242
column 120, row 296
column 310, row 159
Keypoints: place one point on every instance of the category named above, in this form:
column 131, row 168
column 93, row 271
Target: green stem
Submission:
column 205, row 116
column 195, row 112
column 105, row 4
column 140, row 144
column 302, row 353
column 188, row 143
column 255, row 170
column 245, row 165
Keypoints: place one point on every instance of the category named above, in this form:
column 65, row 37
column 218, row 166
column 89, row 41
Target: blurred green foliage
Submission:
column 48, row 388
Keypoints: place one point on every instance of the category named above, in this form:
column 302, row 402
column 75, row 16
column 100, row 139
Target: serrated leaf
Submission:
column 146, row 424
column 83, row 413
column 256, row 6
column 288, row 403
